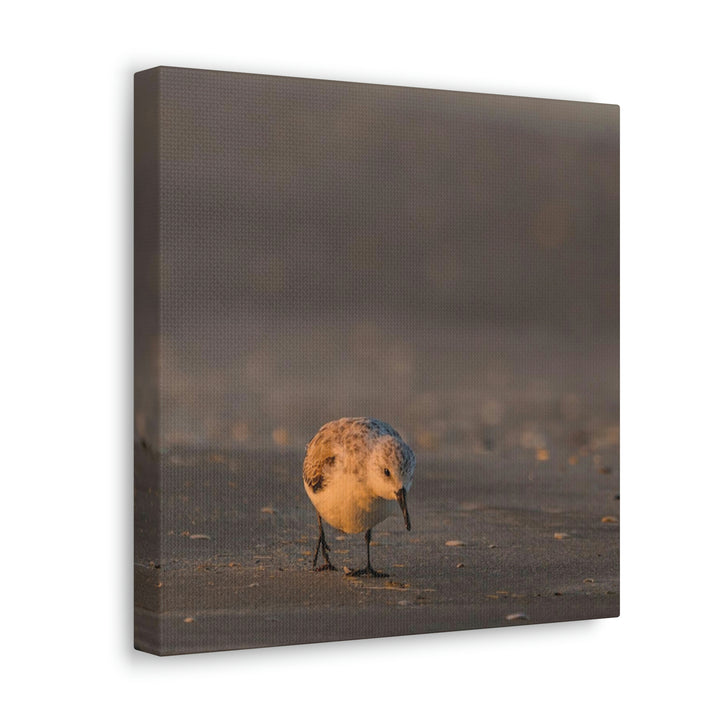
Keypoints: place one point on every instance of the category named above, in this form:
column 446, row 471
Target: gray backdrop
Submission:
column 446, row 261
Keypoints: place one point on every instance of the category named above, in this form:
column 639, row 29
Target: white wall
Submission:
column 66, row 298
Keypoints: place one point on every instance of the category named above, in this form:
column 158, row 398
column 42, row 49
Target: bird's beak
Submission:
column 400, row 495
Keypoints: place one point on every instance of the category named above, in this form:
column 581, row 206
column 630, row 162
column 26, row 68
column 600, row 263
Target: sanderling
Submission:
column 355, row 470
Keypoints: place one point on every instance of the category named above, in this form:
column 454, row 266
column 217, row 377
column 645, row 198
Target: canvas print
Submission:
column 376, row 361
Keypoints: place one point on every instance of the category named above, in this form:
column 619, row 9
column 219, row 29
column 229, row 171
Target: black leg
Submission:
column 322, row 545
column 368, row 570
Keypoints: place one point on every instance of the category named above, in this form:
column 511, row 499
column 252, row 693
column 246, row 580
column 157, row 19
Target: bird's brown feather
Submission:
column 316, row 462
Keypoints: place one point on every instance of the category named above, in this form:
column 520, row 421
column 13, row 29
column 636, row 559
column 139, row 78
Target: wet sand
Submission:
column 231, row 565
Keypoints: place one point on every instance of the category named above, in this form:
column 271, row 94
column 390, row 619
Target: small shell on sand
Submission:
column 516, row 616
column 454, row 543
column 199, row 536
column 561, row 536
column 609, row 519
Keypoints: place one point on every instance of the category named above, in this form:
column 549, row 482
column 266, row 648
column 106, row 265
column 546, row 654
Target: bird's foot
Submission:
column 326, row 566
column 369, row 571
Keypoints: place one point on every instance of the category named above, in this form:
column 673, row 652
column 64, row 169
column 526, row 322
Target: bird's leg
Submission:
column 321, row 544
column 368, row 570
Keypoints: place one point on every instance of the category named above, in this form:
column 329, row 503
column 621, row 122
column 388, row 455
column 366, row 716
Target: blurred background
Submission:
column 445, row 261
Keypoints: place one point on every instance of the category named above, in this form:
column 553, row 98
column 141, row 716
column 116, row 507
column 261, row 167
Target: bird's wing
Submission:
column 319, row 458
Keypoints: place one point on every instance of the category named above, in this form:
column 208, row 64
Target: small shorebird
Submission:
column 355, row 470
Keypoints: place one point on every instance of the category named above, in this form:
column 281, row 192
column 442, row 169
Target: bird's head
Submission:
column 391, row 471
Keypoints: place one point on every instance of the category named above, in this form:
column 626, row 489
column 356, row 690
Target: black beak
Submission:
column 400, row 495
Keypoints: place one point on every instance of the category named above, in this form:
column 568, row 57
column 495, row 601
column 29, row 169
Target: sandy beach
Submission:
column 498, row 539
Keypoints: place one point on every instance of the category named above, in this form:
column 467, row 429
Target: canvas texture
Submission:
column 443, row 263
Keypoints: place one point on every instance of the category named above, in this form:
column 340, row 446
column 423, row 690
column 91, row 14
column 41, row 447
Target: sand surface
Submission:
column 531, row 541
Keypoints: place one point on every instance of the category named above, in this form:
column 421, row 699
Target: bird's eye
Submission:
column 387, row 472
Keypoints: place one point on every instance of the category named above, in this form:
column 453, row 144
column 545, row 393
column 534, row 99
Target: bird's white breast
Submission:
column 347, row 504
